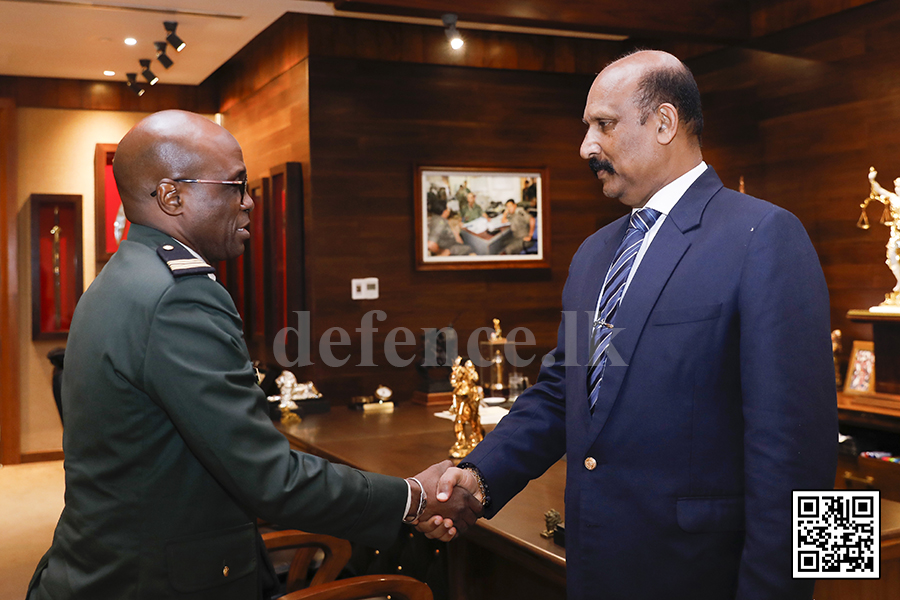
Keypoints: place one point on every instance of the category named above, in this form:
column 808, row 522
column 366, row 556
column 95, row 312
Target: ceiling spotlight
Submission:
column 133, row 84
column 456, row 41
column 147, row 73
column 109, row 73
column 173, row 39
column 161, row 54
column 130, row 41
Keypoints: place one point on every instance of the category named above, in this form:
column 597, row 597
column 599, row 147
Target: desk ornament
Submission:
column 467, row 397
column 890, row 217
column 296, row 398
column 556, row 529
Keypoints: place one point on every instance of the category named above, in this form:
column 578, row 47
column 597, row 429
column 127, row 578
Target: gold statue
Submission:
column 467, row 398
column 890, row 217
column 552, row 518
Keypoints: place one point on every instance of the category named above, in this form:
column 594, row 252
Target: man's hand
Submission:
column 458, row 501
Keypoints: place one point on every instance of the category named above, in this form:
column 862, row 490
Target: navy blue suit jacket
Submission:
column 726, row 405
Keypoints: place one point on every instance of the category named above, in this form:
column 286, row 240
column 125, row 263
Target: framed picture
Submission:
column 861, row 370
column 481, row 218
column 110, row 223
column 285, row 275
column 56, row 271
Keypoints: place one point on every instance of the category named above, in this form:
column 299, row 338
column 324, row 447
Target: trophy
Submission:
column 890, row 217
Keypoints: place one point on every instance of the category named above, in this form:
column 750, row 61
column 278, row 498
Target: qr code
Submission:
column 836, row 534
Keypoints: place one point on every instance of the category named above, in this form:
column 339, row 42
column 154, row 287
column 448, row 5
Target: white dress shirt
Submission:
column 664, row 201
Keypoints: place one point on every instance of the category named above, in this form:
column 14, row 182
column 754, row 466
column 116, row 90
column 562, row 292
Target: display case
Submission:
column 56, row 270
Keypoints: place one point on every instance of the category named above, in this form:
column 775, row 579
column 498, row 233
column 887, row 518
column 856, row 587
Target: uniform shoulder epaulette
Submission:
column 181, row 262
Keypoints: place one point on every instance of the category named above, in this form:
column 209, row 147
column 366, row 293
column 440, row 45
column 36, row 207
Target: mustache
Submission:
column 601, row 165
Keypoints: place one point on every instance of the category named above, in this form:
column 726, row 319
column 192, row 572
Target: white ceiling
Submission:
column 79, row 39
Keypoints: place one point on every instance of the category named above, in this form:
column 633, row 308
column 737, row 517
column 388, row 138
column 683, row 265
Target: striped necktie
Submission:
column 611, row 296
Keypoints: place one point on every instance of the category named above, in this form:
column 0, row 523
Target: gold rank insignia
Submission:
column 181, row 262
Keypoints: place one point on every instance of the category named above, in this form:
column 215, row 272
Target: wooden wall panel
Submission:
column 379, row 40
column 371, row 123
column 803, row 118
column 697, row 18
column 39, row 92
column 9, row 365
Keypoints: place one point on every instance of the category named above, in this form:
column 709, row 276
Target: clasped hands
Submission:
column 453, row 501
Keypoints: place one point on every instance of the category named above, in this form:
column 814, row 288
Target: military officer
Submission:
column 170, row 456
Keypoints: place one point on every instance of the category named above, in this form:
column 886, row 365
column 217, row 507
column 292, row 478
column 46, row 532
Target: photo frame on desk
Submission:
column 861, row 369
column 110, row 224
column 481, row 218
column 57, row 278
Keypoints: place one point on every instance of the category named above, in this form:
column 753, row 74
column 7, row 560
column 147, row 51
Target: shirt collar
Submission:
column 665, row 199
column 191, row 250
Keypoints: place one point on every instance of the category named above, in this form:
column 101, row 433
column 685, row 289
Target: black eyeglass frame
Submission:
column 244, row 183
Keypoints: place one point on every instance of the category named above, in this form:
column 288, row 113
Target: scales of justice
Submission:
column 890, row 217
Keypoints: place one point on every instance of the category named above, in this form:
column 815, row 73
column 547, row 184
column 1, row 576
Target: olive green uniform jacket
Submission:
column 170, row 454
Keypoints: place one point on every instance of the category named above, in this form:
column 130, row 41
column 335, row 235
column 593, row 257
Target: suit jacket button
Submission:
column 590, row 463
column 225, row 571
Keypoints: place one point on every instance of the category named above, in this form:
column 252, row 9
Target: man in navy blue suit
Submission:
column 692, row 387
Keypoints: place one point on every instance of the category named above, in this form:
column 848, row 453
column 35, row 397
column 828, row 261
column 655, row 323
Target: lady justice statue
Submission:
column 891, row 218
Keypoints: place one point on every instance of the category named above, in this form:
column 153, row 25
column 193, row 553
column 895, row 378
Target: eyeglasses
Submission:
column 242, row 182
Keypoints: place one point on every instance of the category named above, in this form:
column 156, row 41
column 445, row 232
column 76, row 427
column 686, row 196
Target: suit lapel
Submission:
column 657, row 266
column 591, row 283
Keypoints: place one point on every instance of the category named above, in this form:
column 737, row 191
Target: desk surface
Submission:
column 411, row 438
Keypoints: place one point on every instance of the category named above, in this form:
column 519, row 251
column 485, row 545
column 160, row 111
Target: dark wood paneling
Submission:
column 354, row 38
column 371, row 122
column 9, row 296
column 278, row 49
column 697, row 18
column 769, row 16
column 38, row 92
column 803, row 118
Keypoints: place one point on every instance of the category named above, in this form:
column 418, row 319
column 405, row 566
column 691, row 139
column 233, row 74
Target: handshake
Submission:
column 445, row 502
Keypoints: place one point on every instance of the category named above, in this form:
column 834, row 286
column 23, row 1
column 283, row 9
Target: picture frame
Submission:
column 480, row 217
column 57, row 278
column 108, row 216
column 861, row 369
column 255, row 260
column 285, row 276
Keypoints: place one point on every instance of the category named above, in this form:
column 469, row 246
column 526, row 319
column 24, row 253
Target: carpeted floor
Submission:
column 31, row 499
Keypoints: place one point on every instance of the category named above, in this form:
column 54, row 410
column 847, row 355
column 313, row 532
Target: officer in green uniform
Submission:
column 521, row 225
column 470, row 210
column 170, row 455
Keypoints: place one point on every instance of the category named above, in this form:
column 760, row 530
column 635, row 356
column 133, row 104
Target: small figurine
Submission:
column 497, row 335
column 552, row 518
column 467, row 397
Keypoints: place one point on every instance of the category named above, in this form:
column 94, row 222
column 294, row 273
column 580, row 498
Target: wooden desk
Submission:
column 506, row 557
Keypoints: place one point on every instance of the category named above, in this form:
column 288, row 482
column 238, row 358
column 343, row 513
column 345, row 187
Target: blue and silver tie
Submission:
column 611, row 296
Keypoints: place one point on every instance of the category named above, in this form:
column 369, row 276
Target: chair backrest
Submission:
column 398, row 587
column 337, row 554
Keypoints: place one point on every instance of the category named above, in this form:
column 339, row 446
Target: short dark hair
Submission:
column 676, row 87
column 673, row 85
column 437, row 205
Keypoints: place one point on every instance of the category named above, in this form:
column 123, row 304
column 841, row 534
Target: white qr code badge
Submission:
column 836, row 534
